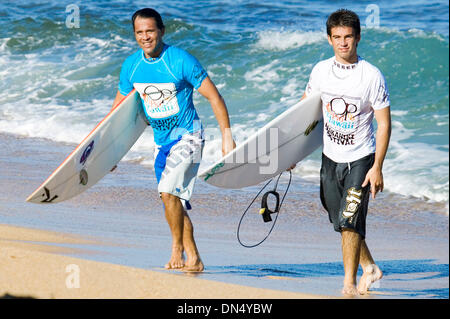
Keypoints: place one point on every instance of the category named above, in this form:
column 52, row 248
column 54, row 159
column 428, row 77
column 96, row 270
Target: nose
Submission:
column 146, row 35
column 343, row 43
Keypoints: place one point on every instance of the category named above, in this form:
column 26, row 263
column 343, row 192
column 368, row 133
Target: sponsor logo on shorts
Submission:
column 353, row 200
column 186, row 151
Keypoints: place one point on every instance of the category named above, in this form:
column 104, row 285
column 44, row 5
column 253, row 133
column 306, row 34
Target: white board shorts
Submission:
column 176, row 166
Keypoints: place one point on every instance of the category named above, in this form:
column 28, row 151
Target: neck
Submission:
column 156, row 53
column 350, row 60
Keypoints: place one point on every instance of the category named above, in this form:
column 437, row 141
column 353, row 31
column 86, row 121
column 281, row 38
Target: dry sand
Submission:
column 30, row 267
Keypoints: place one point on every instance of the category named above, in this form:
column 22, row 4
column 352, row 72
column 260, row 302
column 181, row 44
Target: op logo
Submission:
column 155, row 96
column 160, row 100
column 342, row 120
column 342, row 109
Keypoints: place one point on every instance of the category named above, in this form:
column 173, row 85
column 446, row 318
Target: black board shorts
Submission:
column 342, row 195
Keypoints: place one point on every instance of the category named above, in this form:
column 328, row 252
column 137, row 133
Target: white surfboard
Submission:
column 97, row 154
column 284, row 141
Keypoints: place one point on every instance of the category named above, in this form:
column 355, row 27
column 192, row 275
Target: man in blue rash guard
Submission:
column 165, row 77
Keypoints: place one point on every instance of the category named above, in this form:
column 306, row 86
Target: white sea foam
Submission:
column 264, row 76
column 412, row 32
column 415, row 169
column 285, row 40
column 418, row 33
column 3, row 48
column 398, row 113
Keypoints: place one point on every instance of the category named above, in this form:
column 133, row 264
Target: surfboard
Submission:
column 97, row 154
column 286, row 140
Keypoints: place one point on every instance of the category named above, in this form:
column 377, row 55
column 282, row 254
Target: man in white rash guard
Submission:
column 353, row 92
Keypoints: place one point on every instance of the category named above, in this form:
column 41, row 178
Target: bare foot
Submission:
column 371, row 274
column 195, row 265
column 176, row 260
column 349, row 290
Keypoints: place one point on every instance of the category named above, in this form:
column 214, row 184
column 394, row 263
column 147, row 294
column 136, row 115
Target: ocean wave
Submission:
column 415, row 169
column 275, row 40
column 404, row 33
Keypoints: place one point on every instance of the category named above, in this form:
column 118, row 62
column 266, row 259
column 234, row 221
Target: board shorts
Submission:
column 176, row 166
column 342, row 195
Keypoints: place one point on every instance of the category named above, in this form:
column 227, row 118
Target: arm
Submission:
column 210, row 92
column 119, row 97
column 374, row 175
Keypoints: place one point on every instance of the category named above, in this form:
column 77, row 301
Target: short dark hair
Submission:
column 344, row 18
column 149, row 13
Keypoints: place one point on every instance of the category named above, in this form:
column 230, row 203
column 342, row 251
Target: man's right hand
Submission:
column 228, row 143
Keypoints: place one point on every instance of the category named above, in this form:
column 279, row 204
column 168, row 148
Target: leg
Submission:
column 182, row 236
column 193, row 263
column 175, row 218
column 371, row 272
column 176, row 172
column 353, row 212
column 351, row 247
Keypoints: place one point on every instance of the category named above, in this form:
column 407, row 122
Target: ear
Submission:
column 163, row 30
column 329, row 40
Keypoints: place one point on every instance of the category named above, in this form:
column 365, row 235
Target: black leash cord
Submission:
column 277, row 211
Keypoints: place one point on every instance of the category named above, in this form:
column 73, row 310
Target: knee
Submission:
column 169, row 199
column 347, row 230
column 350, row 233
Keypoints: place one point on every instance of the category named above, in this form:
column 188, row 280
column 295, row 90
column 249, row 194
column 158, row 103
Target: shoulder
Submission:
column 174, row 51
column 371, row 71
column 323, row 65
column 133, row 59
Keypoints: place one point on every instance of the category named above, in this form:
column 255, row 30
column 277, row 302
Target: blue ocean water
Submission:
column 60, row 62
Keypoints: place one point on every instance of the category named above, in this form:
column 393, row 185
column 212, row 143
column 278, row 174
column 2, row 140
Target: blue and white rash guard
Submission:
column 165, row 85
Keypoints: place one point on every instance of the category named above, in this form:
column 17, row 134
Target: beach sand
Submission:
column 37, row 271
column 116, row 236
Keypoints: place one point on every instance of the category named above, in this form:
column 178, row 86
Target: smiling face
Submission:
column 344, row 42
column 148, row 36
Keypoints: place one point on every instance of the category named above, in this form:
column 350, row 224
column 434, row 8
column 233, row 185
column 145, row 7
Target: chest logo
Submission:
column 160, row 99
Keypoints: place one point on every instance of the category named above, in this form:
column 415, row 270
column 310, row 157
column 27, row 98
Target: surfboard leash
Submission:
column 265, row 211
